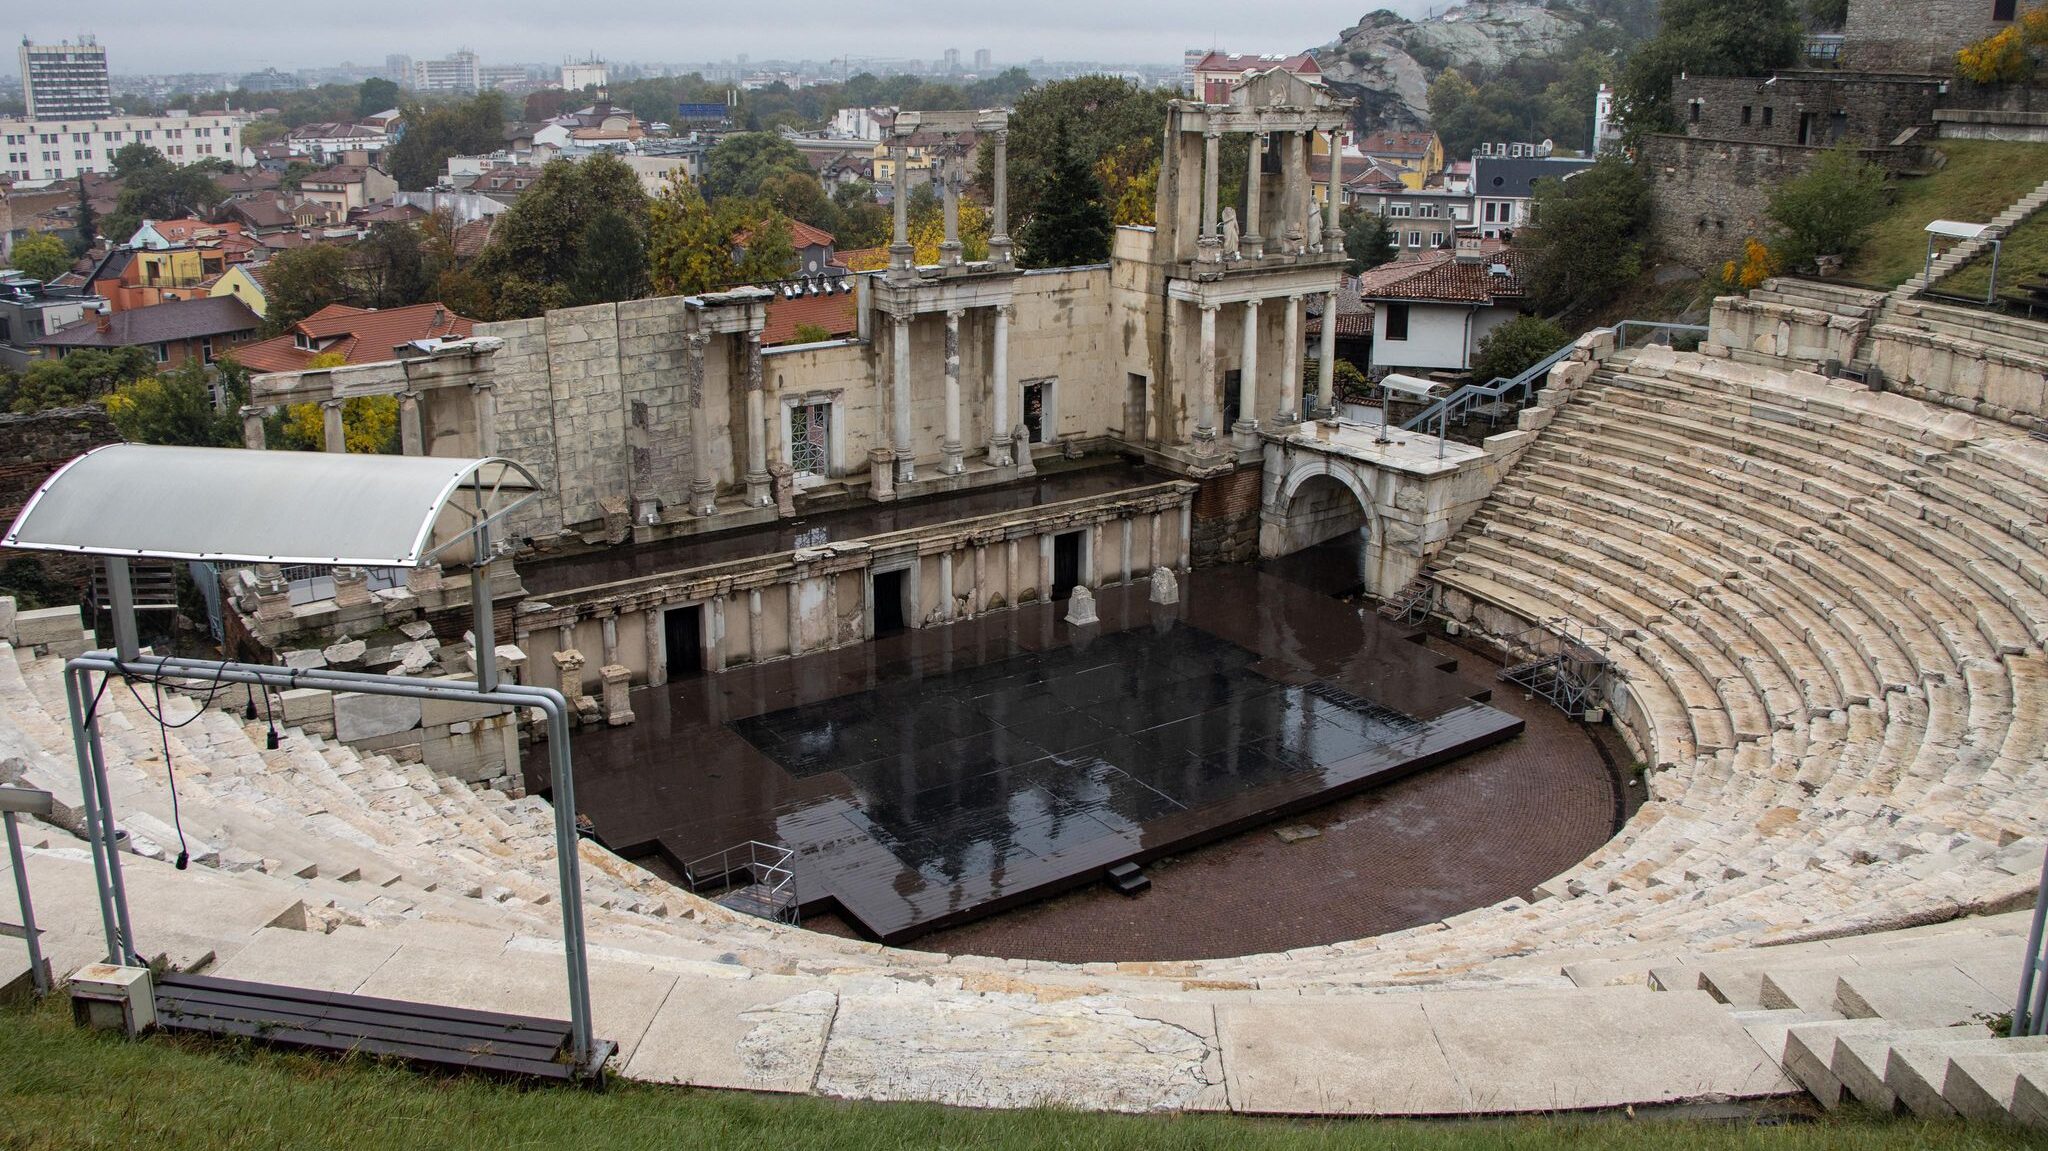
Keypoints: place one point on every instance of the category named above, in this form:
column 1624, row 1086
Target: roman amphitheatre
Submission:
column 1790, row 574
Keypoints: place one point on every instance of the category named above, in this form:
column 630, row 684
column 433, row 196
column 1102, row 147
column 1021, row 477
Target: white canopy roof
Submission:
column 281, row 507
column 1955, row 229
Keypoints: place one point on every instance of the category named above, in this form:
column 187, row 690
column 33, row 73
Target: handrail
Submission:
column 1463, row 400
column 26, row 801
column 774, row 873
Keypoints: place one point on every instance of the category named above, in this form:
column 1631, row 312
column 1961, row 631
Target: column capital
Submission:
column 953, row 315
column 332, row 402
column 1208, row 306
column 1294, row 297
column 1212, row 132
column 753, row 335
column 696, row 341
column 902, row 321
column 1002, row 135
column 483, row 385
column 1252, row 305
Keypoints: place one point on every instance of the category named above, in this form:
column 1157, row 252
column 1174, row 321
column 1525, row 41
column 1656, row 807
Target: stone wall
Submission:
column 1985, row 374
column 1873, row 110
column 1889, row 36
column 1226, row 527
column 32, row 447
column 1710, row 195
column 1808, row 336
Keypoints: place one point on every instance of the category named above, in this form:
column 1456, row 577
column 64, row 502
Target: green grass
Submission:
column 1981, row 179
column 61, row 1087
column 2025, row 255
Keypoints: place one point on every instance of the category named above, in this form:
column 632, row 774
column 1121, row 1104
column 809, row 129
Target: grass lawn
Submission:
column 1981, row 179
column 61, row 1087
column 2025, row 254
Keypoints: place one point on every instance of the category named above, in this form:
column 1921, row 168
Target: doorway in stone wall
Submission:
column 682, row 634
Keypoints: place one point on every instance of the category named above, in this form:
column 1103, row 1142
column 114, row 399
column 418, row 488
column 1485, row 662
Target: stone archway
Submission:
column 1315, row 506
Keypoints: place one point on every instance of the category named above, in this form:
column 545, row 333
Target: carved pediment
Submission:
column 1279, row 88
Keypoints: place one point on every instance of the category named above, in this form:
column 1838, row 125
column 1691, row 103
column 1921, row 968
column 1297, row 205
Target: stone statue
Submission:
column 1315, row 227
column 1232, row 237
column 1293, row 241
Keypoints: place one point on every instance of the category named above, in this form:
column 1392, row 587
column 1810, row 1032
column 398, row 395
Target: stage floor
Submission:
column 943, row 774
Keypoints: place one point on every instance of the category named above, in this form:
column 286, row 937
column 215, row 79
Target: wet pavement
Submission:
column 941, row 775
column 1060, row 480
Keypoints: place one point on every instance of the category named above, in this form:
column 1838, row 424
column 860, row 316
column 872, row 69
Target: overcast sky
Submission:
column 167, row 36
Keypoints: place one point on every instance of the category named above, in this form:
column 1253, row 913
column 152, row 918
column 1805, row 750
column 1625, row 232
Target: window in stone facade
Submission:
column 810, row 450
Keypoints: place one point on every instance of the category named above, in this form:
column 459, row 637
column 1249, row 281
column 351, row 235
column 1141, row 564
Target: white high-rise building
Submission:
column 42, row 150
column 580, row 74
column 456, row 72
column 65, row 81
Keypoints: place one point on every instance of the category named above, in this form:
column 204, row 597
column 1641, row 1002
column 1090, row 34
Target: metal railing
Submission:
column 1522, row 386
column 752, row 877
column 17, row 801
column 2030, row 1015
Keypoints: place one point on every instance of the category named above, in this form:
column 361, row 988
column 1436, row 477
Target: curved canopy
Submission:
column 243, row 506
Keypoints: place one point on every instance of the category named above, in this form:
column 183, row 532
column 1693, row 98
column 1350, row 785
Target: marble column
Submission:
column 1187, row 536
column 999, row 423
column 1254, row 243
column 758, row 494
column 755, row 638
column 652, row 636
column 1293, row 192
column 1333, row 227
column 1205, row 399
column 899, row 401
column 951, row 446
column 252, row 428
column 796, row 618
column 946, row 586
column 1123, row 568
column 999, row 224
column 899, row 244
column 1211, row 244
column 1290, row 365
column 703, row 483
column 1245, row 432
column 483, row 400
column 1326, row 362
column 411, row 436
column 946, row 169
column 336, row 436
column 717, row 630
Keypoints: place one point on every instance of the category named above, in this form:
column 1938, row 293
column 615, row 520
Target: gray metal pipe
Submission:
column 88, row 790
column 562, row 780
column 2027, row 1013
column 38, row 974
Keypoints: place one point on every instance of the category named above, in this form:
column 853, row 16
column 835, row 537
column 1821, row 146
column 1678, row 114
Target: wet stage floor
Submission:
column 943, row 774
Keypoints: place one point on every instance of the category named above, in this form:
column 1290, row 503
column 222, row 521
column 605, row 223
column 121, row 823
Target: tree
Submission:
column 88, row 220
column 1587, row 242
column 1105, row 119
column 1705, row 38
column 294, row 174
column 539, row 238
column 376, row 95
column 135, row 157
column 153, row 188
column 686, row 253
column 389, row 268
column 2008, row 56
column 41, row 255
column 612, row 265
column 927, row 224
column 744, row 161
column 302, row 281
column 174, row 408
column 1070, row 225
column 433, row 134
column 82, row 376
column 1827, row 210
column 799, row 196
column 1826, row 15
column 809, row 334
column 1516, row 346
column 1367, row 241
column 863, row 222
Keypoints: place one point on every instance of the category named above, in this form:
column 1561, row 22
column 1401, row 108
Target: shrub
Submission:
column 1829, row 209
column 1515, row 346
column 1758, row 264
column 2007, row 56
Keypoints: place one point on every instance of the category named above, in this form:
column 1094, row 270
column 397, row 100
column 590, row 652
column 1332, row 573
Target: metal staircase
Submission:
column 1566, row 670
column 752, row 878
column 1413, row 604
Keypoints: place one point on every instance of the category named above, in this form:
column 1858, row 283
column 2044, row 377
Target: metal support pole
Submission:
column 121, row 597
column 2027, row 1013
column 39, row 974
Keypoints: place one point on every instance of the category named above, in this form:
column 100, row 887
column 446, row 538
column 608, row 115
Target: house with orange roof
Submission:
column 357, row 335
column 1215, row 73
column 244, row 282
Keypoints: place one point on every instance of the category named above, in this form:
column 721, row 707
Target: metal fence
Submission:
column 1520, row 387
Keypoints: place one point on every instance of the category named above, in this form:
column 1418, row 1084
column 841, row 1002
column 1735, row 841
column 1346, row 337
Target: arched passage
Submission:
column 1325, row 511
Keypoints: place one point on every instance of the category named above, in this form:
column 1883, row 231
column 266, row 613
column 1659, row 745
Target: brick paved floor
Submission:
column 1485, row 828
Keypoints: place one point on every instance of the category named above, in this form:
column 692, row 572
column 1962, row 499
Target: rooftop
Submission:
column 358, row 335
column 159, row 323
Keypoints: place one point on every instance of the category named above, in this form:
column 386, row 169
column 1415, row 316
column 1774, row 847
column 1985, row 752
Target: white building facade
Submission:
column 42, row 151
column 65, row 81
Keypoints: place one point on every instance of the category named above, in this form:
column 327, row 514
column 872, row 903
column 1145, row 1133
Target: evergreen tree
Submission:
column 88, row 220
column 1367, row 241
column 1588, row 242
column 1072, row 224
column 612, row 265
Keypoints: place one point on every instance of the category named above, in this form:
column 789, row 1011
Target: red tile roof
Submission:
column 1301, row 63
column 802, row 235
column 360, row 335
column 834, row 313
column 1440, row 278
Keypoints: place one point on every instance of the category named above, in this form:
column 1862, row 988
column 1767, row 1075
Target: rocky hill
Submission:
column 1387, row 60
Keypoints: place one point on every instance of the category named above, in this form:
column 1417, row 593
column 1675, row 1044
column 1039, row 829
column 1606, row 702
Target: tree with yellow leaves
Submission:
column 1758, row 265
column 928, row 228
column 369, row 424
column 2008, row 56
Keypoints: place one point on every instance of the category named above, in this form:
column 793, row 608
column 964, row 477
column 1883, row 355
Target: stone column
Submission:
column 899, row 245
column 657, row 663
column 951, row 446
column 1187, row 535
column 718, row 633
column 1211, row 244
column 796, row 618
column 252, row 428
column 1205, row 424
column 754, row 635
column 1245, row 432
column 1290, row 365
column 906, row 471
column 1293, row 191
column 946, row 586
column 999, row 390
column 608, row 638
column 330, row 419
column 1045, row 567
column 1333, row 227
column 999, row 224
column 411, row 436
column 483, row 399
column 1123, row 567
column 758, row 494
column 703, row 484
column 949, row 195
column 1254, row 243
column 1326, row 362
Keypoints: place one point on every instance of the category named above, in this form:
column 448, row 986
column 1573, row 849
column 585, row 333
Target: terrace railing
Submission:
column 753, row 878
column 1520, row 387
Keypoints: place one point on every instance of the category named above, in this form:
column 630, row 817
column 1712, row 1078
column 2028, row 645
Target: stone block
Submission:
column 49, row 625
column 1165, row 588
column 441, row 712
column 7, row 618
column 1081, row 608
column 304, row 705
column 344, row 650
column 479, row 751
column 306, row 659
column 358, row 716
column 618, row 704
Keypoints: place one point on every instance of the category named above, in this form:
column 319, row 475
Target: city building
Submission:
column 1430, row 314
column 357, row 335
column 174, row 332
column 65, row 81
column 578, row 75
column 457, row 72
column 244, row 282
column 42, row 150
column 984, row 60
column 1418, row 219
column 345, row 188
column 270, row 80
column 29, row 311
column 1504, row 188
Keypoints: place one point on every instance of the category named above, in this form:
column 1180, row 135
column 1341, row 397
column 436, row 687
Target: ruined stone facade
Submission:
column 32, row 447
column 1884, row 35
column 1805, row 107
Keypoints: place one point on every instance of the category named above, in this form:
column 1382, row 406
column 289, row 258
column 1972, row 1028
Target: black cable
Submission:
column 271, row 740
column 171, row 772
